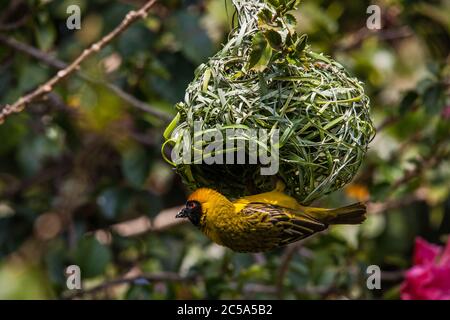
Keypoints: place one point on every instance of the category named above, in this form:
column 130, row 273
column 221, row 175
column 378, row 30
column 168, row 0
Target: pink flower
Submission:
column 429, row 278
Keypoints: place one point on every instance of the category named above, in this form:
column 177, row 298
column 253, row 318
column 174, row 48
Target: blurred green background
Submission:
column 82, row 180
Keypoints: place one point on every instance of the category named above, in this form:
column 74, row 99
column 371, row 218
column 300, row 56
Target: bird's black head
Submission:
column 192, row 211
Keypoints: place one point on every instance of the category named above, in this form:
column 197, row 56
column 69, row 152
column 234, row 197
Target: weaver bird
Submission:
column 261, row 222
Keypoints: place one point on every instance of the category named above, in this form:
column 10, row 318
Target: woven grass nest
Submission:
column 267, row 77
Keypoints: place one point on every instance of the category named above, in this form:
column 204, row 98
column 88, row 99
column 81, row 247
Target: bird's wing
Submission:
column 290, row 225
column 275, row 198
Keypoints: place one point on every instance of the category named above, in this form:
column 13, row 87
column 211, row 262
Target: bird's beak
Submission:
column 183, row 213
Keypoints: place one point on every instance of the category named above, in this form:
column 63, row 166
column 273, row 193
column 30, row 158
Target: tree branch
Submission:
column 15, row 7
column 355, row 39
column 381, row 207
column 284, row 266
column 140, row 279
column 250, row 289
column 432, row 160
column 59, row 64
column 48, row 86
column 14, row 25
column 33, row 52
column 438, row 155
column 143, row 224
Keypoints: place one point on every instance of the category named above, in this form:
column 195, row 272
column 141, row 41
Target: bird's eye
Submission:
column 190, row 205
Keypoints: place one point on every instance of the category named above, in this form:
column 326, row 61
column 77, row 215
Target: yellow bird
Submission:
column 261, row 222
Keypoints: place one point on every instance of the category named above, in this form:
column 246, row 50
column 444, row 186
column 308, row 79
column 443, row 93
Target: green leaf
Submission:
column 262, row 85
column 443, row 128
column 392, row 293
column 265, row 21
column 433, row 99
column 424, row 85
column 112, row 201
column 55, row 262
column 92, row 257
column 35, row 150
column 408, row 101
column 291, row 4
column 192, row 37
column 301, row 43
column 45, row 37
column 265, row 15
column 292, row 59
column 15, row 131
column 139, row 292
column 291, row 39
column 135, row 39
column 260, row 53
column 274, row 39
column 434, row 68
column 135, row 166
column 318, row 56
column 290, row 20
column 275, row 3
column 30, row 76
column 168, row 131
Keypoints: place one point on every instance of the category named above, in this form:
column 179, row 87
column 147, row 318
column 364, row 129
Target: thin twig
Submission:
column 15, row 7
column 428, row 162
column 48, row 86
column 387, row 122
column 393, row 276
column 425, row 163
column 144, row 278
column 143, row 224
column 381, row 207
column 136, row 102
column 14, row 25
column 59, row 64
column 355, row 39
column 284, row 266
column 33, row 52
column 257, row 288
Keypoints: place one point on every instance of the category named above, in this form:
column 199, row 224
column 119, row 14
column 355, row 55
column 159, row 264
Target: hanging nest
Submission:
column 267, row 77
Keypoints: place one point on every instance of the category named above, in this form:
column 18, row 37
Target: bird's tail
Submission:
column 352, row 214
